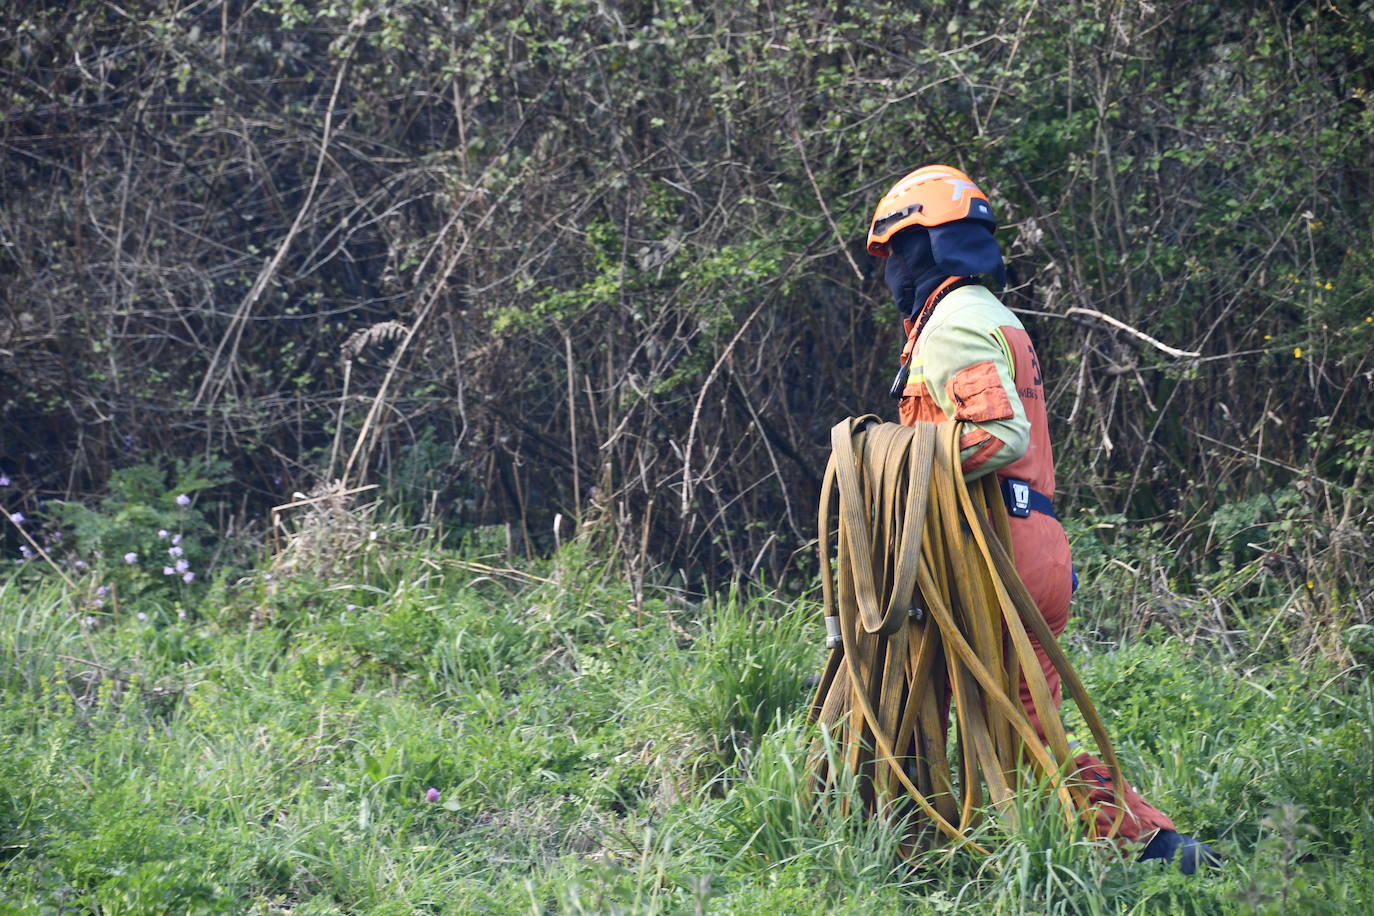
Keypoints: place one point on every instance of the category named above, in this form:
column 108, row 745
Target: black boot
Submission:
column 1170, row 845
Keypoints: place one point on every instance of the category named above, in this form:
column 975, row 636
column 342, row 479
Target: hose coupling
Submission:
column 832, row 633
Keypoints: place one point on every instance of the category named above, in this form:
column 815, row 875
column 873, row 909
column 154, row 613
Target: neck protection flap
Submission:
column 922, row 258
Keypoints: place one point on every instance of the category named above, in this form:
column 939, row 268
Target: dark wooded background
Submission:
column 606, row 259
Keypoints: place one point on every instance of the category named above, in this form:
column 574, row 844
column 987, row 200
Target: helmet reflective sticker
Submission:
column 961, row 186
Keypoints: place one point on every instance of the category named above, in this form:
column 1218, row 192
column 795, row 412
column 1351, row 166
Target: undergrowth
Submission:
column 274, row 751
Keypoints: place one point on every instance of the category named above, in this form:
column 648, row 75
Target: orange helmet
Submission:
column 930, row 196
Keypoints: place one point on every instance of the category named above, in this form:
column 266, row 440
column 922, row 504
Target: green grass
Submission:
column 270, row 753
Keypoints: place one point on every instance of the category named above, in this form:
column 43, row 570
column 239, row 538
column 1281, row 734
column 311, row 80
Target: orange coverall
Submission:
column 974, row 362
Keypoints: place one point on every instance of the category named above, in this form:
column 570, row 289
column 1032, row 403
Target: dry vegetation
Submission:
column 508, row 267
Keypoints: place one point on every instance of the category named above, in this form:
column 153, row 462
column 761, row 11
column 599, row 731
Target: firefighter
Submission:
column 967, row 357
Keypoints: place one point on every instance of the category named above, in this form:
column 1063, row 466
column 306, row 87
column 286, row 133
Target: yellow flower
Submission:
column 1310, row 584
column 1328, row 285
column 1297, row 352
column 1369, row 319
column 1268, row 336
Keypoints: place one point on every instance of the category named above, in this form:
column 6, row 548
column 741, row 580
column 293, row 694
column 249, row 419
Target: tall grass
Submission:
column 271, row 753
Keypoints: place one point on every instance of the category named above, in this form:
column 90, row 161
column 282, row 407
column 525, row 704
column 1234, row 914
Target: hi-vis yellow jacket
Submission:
column 974, row 362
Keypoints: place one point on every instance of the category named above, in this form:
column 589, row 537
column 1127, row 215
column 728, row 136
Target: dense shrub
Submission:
column 512, row 267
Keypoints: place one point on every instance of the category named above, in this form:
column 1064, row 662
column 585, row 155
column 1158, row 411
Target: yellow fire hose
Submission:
column 924, row 608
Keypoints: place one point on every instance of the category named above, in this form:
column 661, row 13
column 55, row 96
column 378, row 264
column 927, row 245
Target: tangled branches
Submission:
column 620, row 267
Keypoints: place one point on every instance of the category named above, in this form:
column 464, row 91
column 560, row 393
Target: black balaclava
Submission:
column 923, row 258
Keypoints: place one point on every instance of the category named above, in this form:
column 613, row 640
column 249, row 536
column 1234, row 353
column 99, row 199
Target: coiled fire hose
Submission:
column 924, row 609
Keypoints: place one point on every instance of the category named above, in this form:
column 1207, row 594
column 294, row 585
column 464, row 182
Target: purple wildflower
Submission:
column 103, row 590
column 432, row 795
column 175, row 551
column 182, row 566
column 4, row 480
column 142, row 615
column 162, row 532
column 97, row 602
column 79, row 565
column 89, row 622
column 351, row 607
column 176, row 539
column 181, row 613
column 131, row 558
column 25, row 551
column 168, row 571
column 189, row 578
column 183, row 500
column 17, row 518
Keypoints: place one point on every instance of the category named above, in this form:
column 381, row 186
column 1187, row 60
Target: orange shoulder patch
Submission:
column 978, row 394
